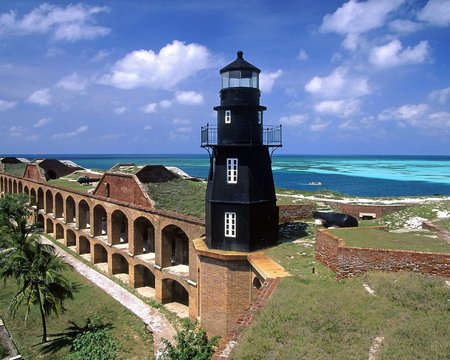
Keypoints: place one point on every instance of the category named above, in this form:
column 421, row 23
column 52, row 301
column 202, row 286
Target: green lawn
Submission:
column 179, row 195
column 15, row 169
column 445, row 223
column 70, row 185
column 136, row 342
column 314, row 316
column 381, row 239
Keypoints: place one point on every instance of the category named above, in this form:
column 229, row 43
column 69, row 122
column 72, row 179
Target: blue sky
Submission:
column 342, row 77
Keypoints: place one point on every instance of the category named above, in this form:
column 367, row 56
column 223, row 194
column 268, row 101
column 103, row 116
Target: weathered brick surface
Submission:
column 289, row 213
column 356, row 209
column 349, row 261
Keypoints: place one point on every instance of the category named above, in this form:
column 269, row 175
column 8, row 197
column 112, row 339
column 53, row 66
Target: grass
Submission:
column 445, row 223
column 3, row 351
column 314, row 316
column 381, row 239
column 15, row 169
column 179, row 195
column 128, row 330
column 71, row 185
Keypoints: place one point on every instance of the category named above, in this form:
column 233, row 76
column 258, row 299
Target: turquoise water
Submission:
column 354, row 175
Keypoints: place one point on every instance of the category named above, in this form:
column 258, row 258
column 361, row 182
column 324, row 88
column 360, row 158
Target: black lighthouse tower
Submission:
column 241, row 210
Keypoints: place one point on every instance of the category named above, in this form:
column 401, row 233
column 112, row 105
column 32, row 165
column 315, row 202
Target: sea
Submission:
column 368, row 175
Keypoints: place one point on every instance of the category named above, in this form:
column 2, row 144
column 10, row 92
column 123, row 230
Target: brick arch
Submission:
column 174, row 291
column 49, row 226
column 1, row 184
column 48, row 201
column 100, row 254
column 40, row 198
column 59, row 205
column 10, row 186
column 100, row 220
column 69, row 213
column 20, row 187
column 84, row 245
column 144, row 276
column 71, row 238
column 14, row 188
column 59, row 232
column 84, row 211
column 119, row 227
column 26, row 190
column 40, row 221
column 33, row 197
column 192, row 231
column 175, row 246
column 144, row 236
column 119, row 264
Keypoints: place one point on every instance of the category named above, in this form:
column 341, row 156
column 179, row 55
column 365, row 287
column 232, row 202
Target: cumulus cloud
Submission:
column 120, row 110
column 293, row 120
column 100, row 55
column 436, row 12
column 150, row 108
column 338, row 84
column 404, row 26
column 411, row 114
column 165, row 104
column 174, row 62
column 180, row 121
column 356, row 18
column 393, row 54
column 267, row 80
column 76, row 132
column 319, row 126
column 73, row 82
column 341, row 108
column 71, row 23
column 16, row 130
column 42, row 122
column 6, row 105
column 440, row 95
column 302, row 55
column 189, row 97
column 41, row 97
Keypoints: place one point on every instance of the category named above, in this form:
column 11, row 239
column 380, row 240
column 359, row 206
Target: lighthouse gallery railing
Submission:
column 241, row 135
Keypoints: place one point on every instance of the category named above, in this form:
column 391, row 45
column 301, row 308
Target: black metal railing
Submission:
column 241, row 135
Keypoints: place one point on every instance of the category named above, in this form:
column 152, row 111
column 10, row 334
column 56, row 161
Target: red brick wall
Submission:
column 289, row 213
column 123, row 188
column 348, row 261
column 32, row 172
column 356, row 209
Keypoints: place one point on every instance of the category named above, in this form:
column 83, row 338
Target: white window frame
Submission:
column 230, row 224
column 227, row 116
column 232, row 170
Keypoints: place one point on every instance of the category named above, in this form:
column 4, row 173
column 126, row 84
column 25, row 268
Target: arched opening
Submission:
column 51, row 175
column 59, row 206
column 84, row 215
column 144, row 238
column 70, row 238
column 256, row 283
column 48, row 202
column 100, row 221
column 120, row 267
column 175, row 248
column 144, row 281
column 175, row 297
column 49, row 228
column 2, row 186
column 100, row 255
column 70, row 211
column 10, row 186
column 20, row 187
column 14, row 187
column 84, row 245
column 40, row 221
column 26, row 191
column 119, row 228
column 40, row 199
column 59, row 233
column 33, row 197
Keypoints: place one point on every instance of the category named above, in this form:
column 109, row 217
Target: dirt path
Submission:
column 157, row 323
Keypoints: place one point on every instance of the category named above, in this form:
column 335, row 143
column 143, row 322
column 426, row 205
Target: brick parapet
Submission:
column 356, row 209
column 289, row 213
column 348, row 261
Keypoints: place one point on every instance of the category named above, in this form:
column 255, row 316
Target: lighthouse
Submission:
column 241, row 211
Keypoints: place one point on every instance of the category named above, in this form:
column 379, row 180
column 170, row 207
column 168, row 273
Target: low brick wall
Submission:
column 356, row 209
column 349, row 261
column 289, row 213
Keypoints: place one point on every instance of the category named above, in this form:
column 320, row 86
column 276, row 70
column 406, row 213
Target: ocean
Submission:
column 372, row 176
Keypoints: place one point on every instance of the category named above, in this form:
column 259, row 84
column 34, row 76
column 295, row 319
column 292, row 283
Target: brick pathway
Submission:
column 155, row 321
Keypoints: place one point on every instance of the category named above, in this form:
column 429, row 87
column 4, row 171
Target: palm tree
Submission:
column 35, row 266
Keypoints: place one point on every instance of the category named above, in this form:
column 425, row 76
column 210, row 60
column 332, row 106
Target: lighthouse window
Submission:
column 260, row 117
column 230, row 224
column 227, row 116
column 232, row 170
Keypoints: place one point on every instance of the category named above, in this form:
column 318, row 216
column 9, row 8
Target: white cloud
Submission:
column 341, row 108
column 78, row 131
column 41, row 97
column 16, row 130
column 319, row 126
column 338, row 84
column 53, row 51
column 354, row 18
column 440, row 95
column 189, row 97
column 148, row 127
column 436, row 12
column 412, row 114
column 174, row 63
column 42, row 122
column 6, row 105
column 150, row 108
column 120, row 110
column 293, row 120
column 165, row 104
column 302, row 55
column 180, row 121
column 32, row 137
column 71, row 23
column 404, row 26
column 392, row 54
column 101, row 54
column 267, row 80
column 73, row 83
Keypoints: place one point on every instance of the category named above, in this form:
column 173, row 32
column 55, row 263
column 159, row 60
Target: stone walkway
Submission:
column 156, row 322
